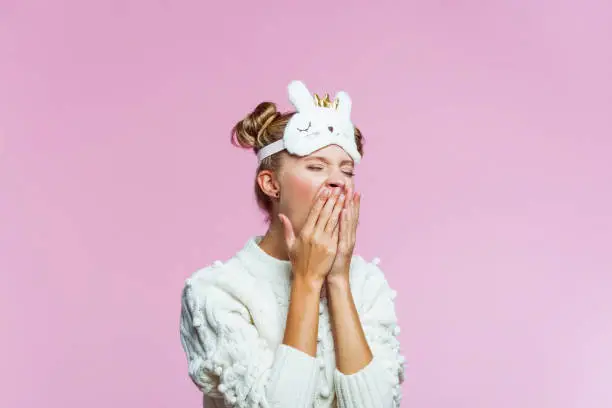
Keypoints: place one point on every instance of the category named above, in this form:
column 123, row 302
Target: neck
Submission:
column 273, row 242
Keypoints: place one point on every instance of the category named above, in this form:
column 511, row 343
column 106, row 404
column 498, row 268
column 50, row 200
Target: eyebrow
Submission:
column 323, row 159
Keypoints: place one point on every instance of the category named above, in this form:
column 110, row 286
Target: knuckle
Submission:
column 315, row 238
column 305, row 236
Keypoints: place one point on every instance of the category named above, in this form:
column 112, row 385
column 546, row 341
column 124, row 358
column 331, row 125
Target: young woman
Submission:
column 294, row 318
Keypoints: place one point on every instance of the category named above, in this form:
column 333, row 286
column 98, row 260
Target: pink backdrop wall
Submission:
column 487, row 186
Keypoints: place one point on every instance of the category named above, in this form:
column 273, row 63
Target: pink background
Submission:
column 487, row 186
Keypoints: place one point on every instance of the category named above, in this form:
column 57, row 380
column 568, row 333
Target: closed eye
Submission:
column 348, row 173
column 305, row 130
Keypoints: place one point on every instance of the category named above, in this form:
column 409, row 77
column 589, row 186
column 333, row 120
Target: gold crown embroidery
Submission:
column 325, row 102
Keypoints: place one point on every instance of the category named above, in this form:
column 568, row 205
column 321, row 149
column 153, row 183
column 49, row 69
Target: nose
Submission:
column 330, row 128
column 336, row 180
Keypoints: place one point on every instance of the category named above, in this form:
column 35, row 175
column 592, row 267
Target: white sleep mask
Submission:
column 317, row 123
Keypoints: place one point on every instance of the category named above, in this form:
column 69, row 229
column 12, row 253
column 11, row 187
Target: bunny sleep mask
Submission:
column 317, row 123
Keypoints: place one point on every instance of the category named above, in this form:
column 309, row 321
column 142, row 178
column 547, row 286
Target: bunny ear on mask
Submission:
column 344, row 104
column 300, row 96
column 316, row 124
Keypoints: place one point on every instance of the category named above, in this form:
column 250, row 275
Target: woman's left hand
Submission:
column 349, row 218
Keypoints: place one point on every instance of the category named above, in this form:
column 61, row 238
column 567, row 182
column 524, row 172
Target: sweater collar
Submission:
column 261, row 264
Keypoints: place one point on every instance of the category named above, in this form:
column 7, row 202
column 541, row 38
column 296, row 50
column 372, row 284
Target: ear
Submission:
column 268, row 183
column 300, row 96
column 344, row 104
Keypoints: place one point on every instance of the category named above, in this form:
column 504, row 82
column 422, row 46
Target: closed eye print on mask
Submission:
column 307, row 127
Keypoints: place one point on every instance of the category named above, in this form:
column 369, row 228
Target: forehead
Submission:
column 332, row 154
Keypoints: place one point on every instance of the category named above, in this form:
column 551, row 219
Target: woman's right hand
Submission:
column 313, row 250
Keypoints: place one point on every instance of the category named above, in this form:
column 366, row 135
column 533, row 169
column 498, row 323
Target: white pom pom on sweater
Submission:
column 232, row 324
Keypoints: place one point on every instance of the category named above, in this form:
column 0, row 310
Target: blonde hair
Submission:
column 261, row 127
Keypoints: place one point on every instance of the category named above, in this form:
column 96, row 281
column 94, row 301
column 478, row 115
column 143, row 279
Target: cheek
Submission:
column 303, row 188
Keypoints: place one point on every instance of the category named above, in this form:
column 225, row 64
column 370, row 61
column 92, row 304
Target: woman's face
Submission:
column 301, row 178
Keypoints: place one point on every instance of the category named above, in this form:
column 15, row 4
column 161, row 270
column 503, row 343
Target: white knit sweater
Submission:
column 232, row 325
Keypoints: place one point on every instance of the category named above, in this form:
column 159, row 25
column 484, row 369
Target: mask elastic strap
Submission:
column 270, row 149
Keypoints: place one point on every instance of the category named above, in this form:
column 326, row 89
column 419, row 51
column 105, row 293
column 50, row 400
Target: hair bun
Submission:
column 251, row 132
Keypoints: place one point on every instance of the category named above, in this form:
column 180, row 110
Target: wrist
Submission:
column 307, row 284
column 338, row 282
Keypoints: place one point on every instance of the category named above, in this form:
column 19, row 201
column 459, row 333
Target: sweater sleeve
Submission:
column 230, row 361
column 378, row 384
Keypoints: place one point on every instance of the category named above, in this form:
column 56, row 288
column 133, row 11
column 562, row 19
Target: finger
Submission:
column 349, row 197
column 357, row 208
column 326, row 211
column 315, row 210
column 351, row 206
column 344, row 227
column 288, row 230
column 336, row 233
column 354, row 217
column 334, row 217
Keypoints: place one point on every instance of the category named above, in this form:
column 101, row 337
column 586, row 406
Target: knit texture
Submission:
column 231, row 328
